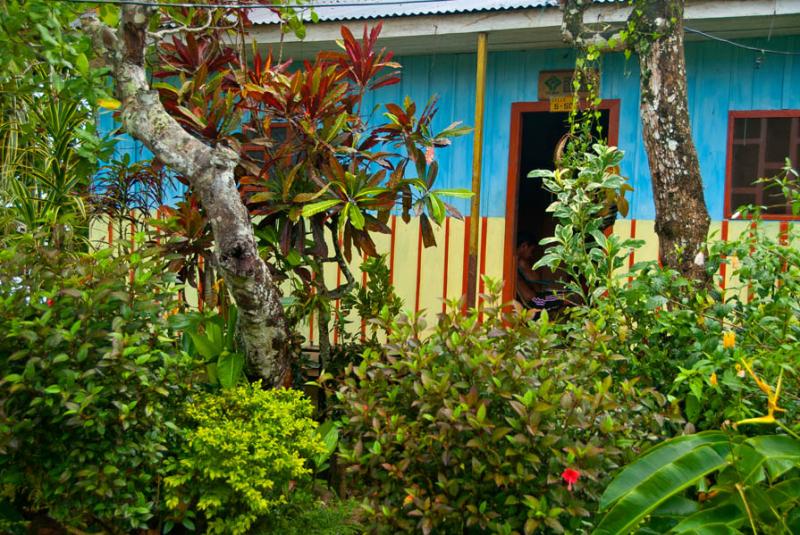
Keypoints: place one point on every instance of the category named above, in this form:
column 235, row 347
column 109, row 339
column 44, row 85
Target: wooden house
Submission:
column 743, row 68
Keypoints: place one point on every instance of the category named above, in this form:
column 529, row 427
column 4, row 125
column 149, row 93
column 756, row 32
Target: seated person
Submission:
column 535, row 288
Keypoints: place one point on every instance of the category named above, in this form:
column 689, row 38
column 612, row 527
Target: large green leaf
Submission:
column 666, row 452
column 668, row 515
column 714, row 529
column 727, row 514
column 319, row 206
column 776, row 447
column 229, row 368
column 203, row 345
column 213, row 332
column 659, row 482
column 785, row 492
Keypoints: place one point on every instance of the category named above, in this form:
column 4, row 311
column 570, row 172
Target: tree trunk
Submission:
column 210, row 172
column 655, row 32
column 681, row 216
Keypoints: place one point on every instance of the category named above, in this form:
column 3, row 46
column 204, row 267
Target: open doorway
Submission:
column 535, row 132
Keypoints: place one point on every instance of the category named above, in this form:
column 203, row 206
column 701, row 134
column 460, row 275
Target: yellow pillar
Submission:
column 477, row 159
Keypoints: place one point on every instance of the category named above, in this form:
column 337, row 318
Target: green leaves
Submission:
column 650, row 481
column 485, row 415
column 91, row 381
column 214, row 339
column 320, row 206
column 245, row 457
column 737, row 462
column 229, row 369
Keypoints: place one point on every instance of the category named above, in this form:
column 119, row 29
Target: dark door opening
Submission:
column 541, row 132
column 534, row 137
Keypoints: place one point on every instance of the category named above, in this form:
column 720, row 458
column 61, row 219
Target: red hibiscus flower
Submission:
column 571, row 477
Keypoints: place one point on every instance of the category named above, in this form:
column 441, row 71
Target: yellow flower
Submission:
column 409, row 498
column 772, row 399
column 171, row 312
column 713, row 379
column 729, row 339
column 216, row 286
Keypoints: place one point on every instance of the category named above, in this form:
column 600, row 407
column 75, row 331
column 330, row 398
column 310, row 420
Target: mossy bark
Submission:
column 681, row 215
column 210, row 172
column 655, row 32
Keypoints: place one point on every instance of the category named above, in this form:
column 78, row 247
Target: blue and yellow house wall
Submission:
column 721, row 78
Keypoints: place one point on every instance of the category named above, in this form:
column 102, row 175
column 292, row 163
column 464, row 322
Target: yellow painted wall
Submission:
column 419, row 274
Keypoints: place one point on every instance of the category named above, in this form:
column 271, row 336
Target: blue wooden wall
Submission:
column 721, row 77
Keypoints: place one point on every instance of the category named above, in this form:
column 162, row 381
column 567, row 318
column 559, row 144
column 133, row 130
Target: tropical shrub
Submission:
column 90, row 382
column 713, row 481
column 683, row 336
column 246, row 452
column 484, row 426
column 315, row 516
column 709, row 482
column 318, row 173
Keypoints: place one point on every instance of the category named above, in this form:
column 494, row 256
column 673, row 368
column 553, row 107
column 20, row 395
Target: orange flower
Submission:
column 408, row 500
column 729, row 339
column 713, row 379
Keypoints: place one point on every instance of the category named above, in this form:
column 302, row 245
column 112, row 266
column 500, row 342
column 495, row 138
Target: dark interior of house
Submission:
column 541, row 132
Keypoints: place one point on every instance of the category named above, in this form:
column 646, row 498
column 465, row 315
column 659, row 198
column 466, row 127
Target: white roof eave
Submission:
column 535, row 27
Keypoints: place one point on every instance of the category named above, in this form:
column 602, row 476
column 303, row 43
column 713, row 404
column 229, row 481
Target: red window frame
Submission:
column 751, row 114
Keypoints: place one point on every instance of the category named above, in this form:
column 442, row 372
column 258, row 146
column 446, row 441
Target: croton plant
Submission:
column 318, row 173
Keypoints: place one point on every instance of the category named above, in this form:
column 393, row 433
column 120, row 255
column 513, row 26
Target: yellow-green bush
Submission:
column 245, row 451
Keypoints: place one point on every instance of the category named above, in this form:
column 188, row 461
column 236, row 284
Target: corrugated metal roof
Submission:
column 340, row 10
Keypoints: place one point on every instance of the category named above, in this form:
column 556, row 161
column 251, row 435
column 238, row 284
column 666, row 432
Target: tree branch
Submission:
column 344, row 289
column 210, row 172
column 574, row 31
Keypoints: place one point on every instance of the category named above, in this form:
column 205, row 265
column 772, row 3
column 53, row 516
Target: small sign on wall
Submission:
column 553, row 84
column 561, row 103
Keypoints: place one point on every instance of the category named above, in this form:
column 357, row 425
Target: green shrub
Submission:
column 312, row 515
column 709, row 482
column 89, row 380
column 668, row 330
column 245, row 451
column 671, row 330
column 473, row 427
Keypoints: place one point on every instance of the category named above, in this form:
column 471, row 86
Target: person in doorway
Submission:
column 535, row 288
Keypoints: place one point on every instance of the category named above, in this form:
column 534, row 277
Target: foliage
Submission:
column 246, row 451
column 213, row 338
column 48, row 153
column 318, row 172
column 589, row 259
column 734, row 482
column 368, row 300
column 89, row 383
column 695, row 337
column 668, row 329
column 470, row 427
column 48, row 142
column 315, row 516
column 127, row 192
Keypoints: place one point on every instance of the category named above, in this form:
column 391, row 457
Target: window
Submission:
column 758, row 144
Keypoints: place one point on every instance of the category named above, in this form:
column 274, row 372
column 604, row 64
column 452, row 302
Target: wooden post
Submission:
column 477, row 160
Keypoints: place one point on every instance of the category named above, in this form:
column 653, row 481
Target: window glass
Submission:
column 759, row 149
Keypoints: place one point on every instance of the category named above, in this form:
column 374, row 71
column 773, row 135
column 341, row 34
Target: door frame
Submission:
column 512, row 186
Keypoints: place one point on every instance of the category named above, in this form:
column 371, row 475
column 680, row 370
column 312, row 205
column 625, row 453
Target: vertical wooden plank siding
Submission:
column 722, row 79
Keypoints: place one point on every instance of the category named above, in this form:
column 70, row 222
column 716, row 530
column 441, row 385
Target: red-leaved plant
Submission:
column 317, row 172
